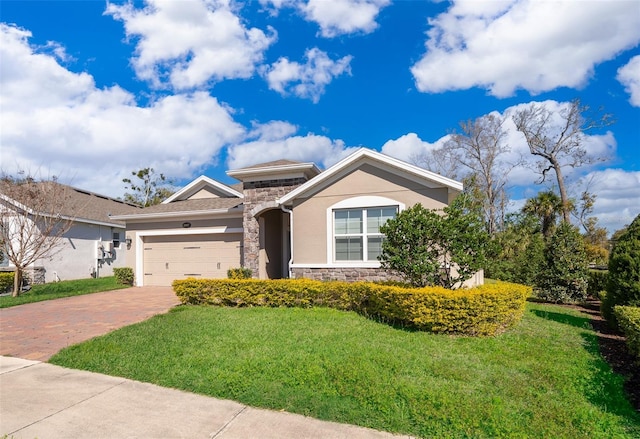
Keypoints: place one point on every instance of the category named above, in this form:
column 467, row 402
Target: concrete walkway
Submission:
column 40, row 400
column 46, row 401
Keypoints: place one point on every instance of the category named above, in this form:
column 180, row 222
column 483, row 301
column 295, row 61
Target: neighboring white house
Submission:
column 93, row 245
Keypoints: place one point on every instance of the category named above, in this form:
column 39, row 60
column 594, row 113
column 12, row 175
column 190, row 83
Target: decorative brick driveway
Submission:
column 36, row 331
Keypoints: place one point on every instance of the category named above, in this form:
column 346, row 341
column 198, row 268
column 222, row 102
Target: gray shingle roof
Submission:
column 72, row 202
column 192, row 205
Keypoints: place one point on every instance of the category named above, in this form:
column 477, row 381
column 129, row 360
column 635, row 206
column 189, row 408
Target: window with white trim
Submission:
column 357, row 234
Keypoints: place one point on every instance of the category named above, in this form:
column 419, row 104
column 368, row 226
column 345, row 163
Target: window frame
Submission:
column 363, row 204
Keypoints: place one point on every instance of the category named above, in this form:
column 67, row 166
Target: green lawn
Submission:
column 57, row 290
column 543, row 379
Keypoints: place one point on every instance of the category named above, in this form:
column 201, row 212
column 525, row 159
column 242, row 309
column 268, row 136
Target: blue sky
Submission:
column 91, row 90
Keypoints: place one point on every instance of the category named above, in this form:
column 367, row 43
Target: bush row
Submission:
column 6, row 281
column 485, row 310
column 628, row 318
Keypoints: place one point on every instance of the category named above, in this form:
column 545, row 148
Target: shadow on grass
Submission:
column 607, row 389
column 576, row 321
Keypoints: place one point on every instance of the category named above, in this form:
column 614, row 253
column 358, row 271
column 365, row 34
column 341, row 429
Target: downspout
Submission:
column 290, row 212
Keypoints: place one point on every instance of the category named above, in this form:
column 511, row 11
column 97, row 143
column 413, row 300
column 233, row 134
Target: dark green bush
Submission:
column 623, row 286
column 486, row 310
column 124, row 275
column 564, row 276
column 239, row 273
column 597, row 282
column 6, row 281
column 628, row 319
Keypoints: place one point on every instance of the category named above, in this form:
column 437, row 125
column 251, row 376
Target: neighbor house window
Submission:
column 357, row 234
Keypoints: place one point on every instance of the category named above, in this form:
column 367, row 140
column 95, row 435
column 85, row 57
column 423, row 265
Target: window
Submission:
column 357, row 232
column 116, row 239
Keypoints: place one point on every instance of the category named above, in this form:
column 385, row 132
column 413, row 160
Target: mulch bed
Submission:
column 614, row 351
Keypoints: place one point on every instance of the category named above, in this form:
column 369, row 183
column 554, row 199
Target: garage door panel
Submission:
column 167, row 258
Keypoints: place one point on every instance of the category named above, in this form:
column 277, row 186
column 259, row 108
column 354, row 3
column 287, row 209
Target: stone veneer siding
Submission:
column 257, row 193
column 346, row 274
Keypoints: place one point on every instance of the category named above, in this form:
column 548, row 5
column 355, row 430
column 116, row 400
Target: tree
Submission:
column 546, row 206
column 33, row 220
column 623, row 286
column 477, row 154
column 480, row 147
column 558, row 140
column 426, row 248
column 565, row 272
column 152, row 188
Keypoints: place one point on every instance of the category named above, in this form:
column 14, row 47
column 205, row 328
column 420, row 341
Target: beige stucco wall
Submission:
column 310, row 214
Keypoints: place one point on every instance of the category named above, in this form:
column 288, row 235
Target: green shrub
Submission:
column 597, row 282
column 124, row 275
column 485, row 310
column 564, row 276
column 6, row 281
column 623, row 286
column 239, row 273
column 628, row 318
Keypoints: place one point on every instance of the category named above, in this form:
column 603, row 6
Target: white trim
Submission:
column 383, row 161
column 199, row 184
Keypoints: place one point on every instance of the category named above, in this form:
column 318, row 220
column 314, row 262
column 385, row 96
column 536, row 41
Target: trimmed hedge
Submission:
column 628, row 318
column 6, row 281
column 124, row 275
column 486, row 310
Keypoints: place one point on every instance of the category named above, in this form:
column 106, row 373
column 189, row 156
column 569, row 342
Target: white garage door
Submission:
column 176, row 257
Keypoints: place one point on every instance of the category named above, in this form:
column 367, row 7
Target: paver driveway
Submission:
column 36, row 331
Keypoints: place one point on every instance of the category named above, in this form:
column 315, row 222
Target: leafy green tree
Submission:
column 623, row 287
column 565, row 272
column 426, row 248
column 149, row 189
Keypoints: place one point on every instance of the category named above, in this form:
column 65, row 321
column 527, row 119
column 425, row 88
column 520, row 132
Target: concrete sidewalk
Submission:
column 46, row 401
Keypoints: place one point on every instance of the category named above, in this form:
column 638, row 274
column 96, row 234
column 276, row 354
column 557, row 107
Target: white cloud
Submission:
column 306, row 80
column 410, row 146
column 629, row 76
column 275, row 140
column 617, row 193
column 57, row 122
column 191, row 42
column 335, row 17
column 538, row 46
column 339, row 17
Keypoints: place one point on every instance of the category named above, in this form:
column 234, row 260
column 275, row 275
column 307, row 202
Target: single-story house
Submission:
column 284, row 219
column 91, row 247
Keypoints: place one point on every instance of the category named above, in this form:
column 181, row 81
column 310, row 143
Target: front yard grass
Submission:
column 544, row 378
column 57, row 290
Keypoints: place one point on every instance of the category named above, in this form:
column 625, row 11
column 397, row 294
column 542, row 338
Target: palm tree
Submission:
column 547, row 206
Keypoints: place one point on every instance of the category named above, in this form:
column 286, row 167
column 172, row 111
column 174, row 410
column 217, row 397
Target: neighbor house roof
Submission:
column 365, row 155
column 76, row 204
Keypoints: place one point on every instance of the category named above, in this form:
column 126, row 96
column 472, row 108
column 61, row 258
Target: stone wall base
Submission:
column 346, row 274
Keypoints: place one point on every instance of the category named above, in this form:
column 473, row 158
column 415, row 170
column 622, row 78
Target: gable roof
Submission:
column 200, row 183
column 79, row 205
column 181, row 208
column 382, row 161
column 277, row 169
